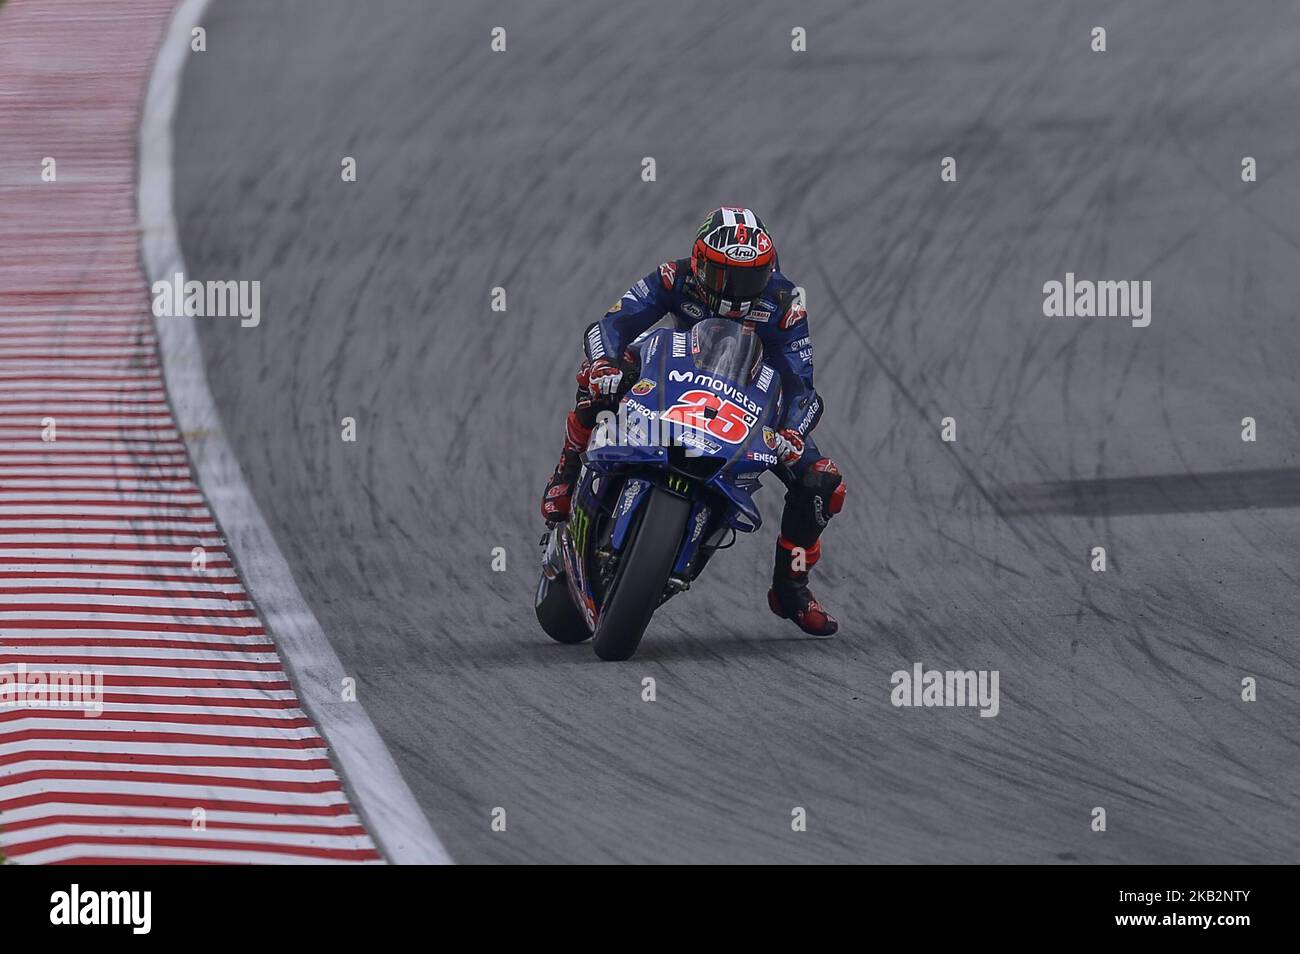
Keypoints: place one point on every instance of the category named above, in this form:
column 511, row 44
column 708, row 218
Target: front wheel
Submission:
column 642, row 575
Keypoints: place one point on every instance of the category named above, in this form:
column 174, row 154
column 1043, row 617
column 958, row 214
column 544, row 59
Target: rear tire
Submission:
column 556, row 612
column 642, row 575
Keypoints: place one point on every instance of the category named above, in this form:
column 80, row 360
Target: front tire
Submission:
column 642, row 575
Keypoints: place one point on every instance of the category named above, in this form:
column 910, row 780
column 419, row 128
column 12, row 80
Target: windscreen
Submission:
column 728, row 349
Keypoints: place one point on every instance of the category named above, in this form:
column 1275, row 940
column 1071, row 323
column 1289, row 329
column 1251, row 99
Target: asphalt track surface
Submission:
column 522, row 169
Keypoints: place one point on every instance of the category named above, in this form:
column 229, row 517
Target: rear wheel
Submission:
column 556, row 612
column 642, row 575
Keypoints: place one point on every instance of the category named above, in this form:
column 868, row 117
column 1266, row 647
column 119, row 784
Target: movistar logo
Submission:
column 716, row 384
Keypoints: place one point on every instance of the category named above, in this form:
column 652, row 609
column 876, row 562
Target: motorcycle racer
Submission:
column 731, row 273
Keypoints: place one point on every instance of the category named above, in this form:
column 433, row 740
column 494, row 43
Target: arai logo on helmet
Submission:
column 692, row 310
column 741, row 253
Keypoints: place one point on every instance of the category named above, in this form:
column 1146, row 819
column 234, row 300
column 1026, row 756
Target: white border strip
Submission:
column 380, row 794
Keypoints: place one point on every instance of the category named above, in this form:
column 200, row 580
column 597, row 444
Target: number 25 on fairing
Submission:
column 706, row 411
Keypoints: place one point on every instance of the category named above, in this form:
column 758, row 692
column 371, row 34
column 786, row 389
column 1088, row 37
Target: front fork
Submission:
column 624, row 509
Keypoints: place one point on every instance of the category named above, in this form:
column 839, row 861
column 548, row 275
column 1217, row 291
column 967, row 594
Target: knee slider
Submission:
column 825, row 484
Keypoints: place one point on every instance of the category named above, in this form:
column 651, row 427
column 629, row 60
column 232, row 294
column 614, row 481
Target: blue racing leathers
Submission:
column 778, row 318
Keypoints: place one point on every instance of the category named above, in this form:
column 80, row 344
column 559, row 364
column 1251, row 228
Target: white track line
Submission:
column 379, row 792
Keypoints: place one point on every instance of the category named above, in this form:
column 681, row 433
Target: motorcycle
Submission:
column 667, row 481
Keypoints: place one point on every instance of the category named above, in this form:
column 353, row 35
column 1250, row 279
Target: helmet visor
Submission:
column 735, row 283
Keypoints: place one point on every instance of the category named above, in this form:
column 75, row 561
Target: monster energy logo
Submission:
column 579, row 524
column 678, row 484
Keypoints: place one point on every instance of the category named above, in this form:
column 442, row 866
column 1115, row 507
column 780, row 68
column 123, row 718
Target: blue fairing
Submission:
column 726, row 449
column 685, row 427
column 629, row 501
column 607, row 459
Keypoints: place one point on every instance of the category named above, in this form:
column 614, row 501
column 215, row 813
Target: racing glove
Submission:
column 789, row 446
column 604, row 377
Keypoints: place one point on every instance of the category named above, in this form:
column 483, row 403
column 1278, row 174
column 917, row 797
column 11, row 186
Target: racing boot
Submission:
column 790, row 597
column 558, row 496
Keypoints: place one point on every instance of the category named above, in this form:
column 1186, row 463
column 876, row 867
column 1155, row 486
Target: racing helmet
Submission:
column 732, row 261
